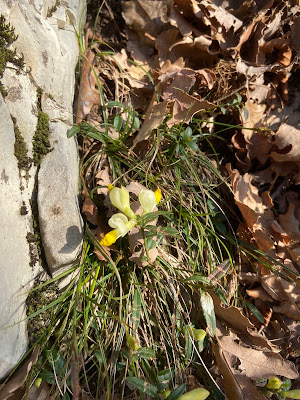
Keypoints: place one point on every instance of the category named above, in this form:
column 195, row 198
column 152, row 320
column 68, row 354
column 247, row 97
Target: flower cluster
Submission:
column 123, row 223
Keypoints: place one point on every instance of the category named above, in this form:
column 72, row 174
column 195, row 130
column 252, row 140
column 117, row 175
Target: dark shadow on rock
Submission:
column 74, row 238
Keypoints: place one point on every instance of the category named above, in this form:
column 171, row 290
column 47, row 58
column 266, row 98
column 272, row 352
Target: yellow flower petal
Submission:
column 157, row 195
column 109, row 238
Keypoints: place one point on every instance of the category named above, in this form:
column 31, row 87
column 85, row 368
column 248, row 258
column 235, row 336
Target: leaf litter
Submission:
column 185, row 58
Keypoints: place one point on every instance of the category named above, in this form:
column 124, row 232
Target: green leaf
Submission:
column 143, row 386
column 118, row 122
column 166, row 375
column 111, row 104
column 199, row 278
column 291, row 394
column 207, row 305
column 136, row 122
column 136, row 309
column 286, row 385
column 255, row 311
column 146, row 353
column 73, row 131
column 150, row 244
column 47, row 376
column 193, row 145
column 187, row 133
column 239, row 97
column 223, row 110
column 246, row 113
column 100, row 357
column 177, row 392
column 188, row 346
column 171, row 232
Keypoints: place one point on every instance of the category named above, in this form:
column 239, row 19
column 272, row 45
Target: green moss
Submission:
column 21, row 151
column 35, row 302
column 7, row 37
column 41, row 141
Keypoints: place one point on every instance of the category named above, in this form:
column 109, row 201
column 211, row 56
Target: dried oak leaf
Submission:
column 237, row 387
column 256, row 364
column 88, row 95
column 288, row 144
column 155, row 115
column 186, row 106
column 18, row 379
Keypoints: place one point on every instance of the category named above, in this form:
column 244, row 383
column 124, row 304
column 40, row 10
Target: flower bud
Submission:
column 120, row 199
column 274, row 383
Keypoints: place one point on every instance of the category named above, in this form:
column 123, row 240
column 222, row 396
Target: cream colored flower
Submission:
column 149, row 199
column 122, row 227
column 120, row 199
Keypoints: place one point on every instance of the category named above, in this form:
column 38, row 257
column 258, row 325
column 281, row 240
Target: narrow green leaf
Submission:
column 118, row 122
column 166, row 375
column 146, row 353
column 111, row 104
column 136, row 309
column 207, row 305
column 143, row 386
column 255, row 311
column 177, row 392
column 73, row 131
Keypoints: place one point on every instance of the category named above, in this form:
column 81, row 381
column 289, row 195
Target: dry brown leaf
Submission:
column 288, row 309
column 248, row 388
column 288, row 144
column 40, row 393
column 185, row 107
column 89, row 209
column 88, row 95
column 232, row 388
column 175, row 78
column 237, row 387
column 256, row 364
column 259, row 293
column 103, row 179
column 155, row 115
column 145, row 16
column 18, row 379
column 135, row 75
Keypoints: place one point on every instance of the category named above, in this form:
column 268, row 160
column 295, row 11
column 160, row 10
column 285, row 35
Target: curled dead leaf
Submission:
column 18, row 379
column 256, row 364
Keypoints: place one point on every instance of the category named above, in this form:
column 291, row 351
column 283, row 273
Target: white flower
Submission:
column 122, row 227
column 149, row 199
column 120, row 199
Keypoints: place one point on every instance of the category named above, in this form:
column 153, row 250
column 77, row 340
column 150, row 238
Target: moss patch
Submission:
column 20, row 149
column 41, row 141
column 36, row 300
column 7, row 37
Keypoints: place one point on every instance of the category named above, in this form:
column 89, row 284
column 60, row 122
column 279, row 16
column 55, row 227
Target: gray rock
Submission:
column 14, row 252
column 59, row 216
column 49, row 44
